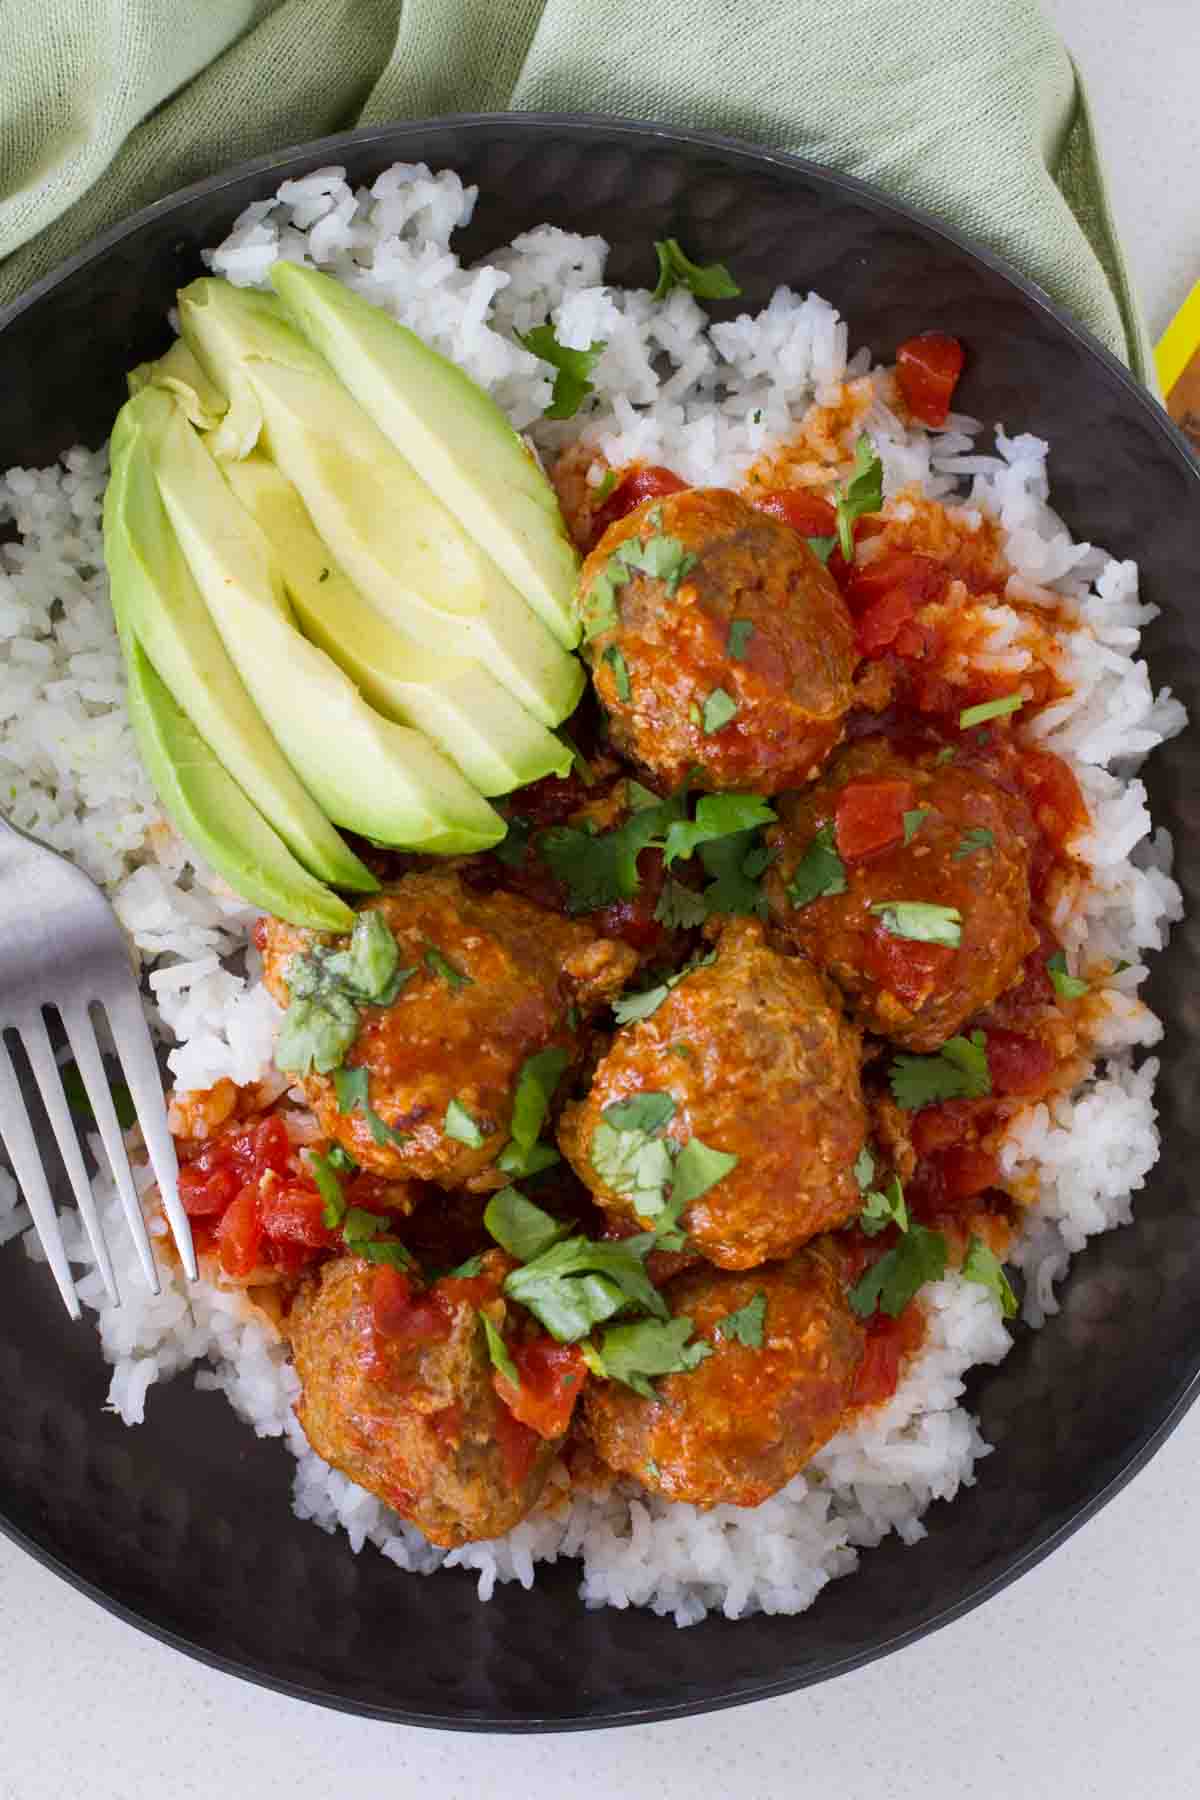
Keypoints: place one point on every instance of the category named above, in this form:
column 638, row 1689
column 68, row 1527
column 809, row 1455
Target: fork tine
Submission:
column 131, row 1035
column 26, row 1160
column 82, row 1038
column 35, row 1041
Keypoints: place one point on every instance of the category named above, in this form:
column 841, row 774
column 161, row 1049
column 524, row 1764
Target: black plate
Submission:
column 183, row 1526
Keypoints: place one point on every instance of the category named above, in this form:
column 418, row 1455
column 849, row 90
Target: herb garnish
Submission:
column 862, row 493
column 536, row 1084
column 620, row 668
column 740, row 633
column 977, row 838
column 329, row 1187
column 77, row 1097
column 460, row 1125
column 328, row 988
column 821, row 547
column 629, row 1152
column 719, row 708
column 982, row 1265
column 631, row 1007
column 959, row 1071
column 1068, row 987
column 498, row 1351
column 513, row 845
column 820, row 871
column 604, row 486
column 633, row 1353
column 708, row 281
column 920, row 1256
column 680, row 907
column 451, row 974
column 883, row 1207
column 352, row 1088
column 913, row 821
column 920, row 921
column 717, row 816
column 745, row 1326
column 989, row 709
column 661, row 556
column 572, row 369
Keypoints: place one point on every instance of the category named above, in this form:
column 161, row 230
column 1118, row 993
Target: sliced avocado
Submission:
column 458, row 705
column 455, row 436
column 400, row 546
column 154, row 595
column 181, row 375
column 373, row 776
column 213, row 813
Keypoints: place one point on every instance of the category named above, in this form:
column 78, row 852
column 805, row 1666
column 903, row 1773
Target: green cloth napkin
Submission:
column 975, row 112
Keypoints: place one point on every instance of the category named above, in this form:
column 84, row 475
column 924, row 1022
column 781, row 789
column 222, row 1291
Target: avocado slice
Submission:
column 457, row 704
column 211, row 811
column 454, row 435
column 375, row 777
column 400, row 546
column 155, row 598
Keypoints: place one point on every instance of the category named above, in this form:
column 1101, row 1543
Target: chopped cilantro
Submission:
column 913, row 822
column 579, row 762
column 862, row 493
column 631, row 1007
column 920, row 921
column 920, row 1256
column 386, row 1250
column 989, row 709
column 737, row 864
column 521, row 1164
column 717, row 816
column 604, row 486
column 708, row 281
column 740, row 633
column 883, row 1207
column 698, row 1167
column 821, row 547
column 498, row 1351
column 352, row 1088
column 982, row 1265
column 746, row 1325
column 719, row 708
column 641, row 1112
column 864, row 1168
column 460, row 1125
column 572, row 369
column 977, row 838
column 820, row 871
column 945, row 755
column 598, row 868
column 513, row 845
column 339, row 1158
column 576, row 1284
column 327, row 989
column 77, row 1097
column 358, row 1225
column 634, row 1354
column 680, row 907
column 329, row 1188
column 959, row 1071
column 520, row 1227
column 1068, row 987
column 466, row 1270
column 451, row 974
column 620, row 668
column 539, row 1077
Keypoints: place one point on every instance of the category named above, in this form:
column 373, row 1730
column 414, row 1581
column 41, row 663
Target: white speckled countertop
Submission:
column 1078, row 1683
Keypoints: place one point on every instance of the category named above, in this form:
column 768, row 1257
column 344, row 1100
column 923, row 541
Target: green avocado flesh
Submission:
column 462, row 709
column 450, row 431
column 375, row 777
column 158, row 605
column 402, row 548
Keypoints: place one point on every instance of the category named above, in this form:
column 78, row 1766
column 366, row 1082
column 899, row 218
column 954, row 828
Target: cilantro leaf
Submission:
column 920, row 1256
column 738, row 863
column 598, row 868
column 326, row 990
column 631, row 1007
column 883, row 1207
column 821, row 547
column 913, row 821
column 864, row 1168
column 698, row 1167
column 367, row 967
column 498, row 1351
column 641, row 1112
column 958, row 1071
column 536, row 1084
column 719, row 708
column 862, row 493
column 819, row 872
column 520, row 1164
column 982, row 1265
column 717, row 816
column 708, row 281
column 358, row 1225
column 386, row 1250
column 520, row 1227
column 1068, row 987
column 460, row 1125
column 634, row 1164
column 740, row 633
column 977, row 838
column 330, row 1189
column 572, row 369
column 454, row 977
column 620, row 668
column 466, row 1270
column 633, row 1354
column 945, row 755
column 989, row 709
column 920, row 921
column 77, row 1097
column 352, row 1087
column 340, row 1159
column 604, row 487
column 679, row 907
column 576, row 1284
column 512, row 846
column 746, row 1325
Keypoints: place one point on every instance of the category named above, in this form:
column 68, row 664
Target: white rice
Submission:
column 707, row 401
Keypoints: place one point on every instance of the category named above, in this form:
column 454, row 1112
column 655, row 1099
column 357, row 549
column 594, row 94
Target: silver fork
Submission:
column 62, row 948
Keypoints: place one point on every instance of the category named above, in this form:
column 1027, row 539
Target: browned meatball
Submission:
column 399, row 1397
column 495, row 979
column 736, row 1428
column 968, row 852
column 758, row 1063
column 736, row 662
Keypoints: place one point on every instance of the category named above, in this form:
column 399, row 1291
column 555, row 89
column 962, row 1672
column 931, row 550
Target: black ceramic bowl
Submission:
column 184, row 1526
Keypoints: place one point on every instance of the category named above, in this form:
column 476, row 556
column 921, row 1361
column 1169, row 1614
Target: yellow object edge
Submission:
column 1179, row 342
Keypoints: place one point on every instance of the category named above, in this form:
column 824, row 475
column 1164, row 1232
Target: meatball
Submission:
column 397, row 1393
column 758, row 1063
column 495, row 979
column 967, row 849
column 736, row 662
column 737, row 1427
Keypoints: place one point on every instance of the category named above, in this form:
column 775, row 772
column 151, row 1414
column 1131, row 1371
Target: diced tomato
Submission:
column 650, row 483
column 881, row 624
column 803, row 509
column 928, row 368
column 239, row 1235
column 936, row 1127
column 870, row 817
column 272, row 1146
column 293, row 1214
column 551, row 1380
column 391, row 1291
column 889, row 1341
column 1058, row 805
column 965, row 1171
column 518, row 1446
column 906, row 968
column 204, row 1193
column 1018, row 1064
